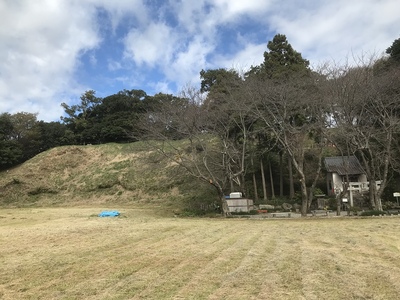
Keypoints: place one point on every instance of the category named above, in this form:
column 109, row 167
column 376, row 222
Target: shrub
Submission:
column 189, row 212
column 41, row 190
column 373, row 213
column 393, row 212
column 251, row 212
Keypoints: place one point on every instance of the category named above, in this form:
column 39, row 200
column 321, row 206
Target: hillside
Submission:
column 109, row 174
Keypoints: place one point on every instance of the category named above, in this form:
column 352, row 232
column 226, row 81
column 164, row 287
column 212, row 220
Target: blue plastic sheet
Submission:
column 109, row 213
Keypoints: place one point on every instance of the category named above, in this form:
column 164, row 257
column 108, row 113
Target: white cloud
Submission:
column 180, row 52
column 187, row 65
column 163, row 87
column 250, row 55
column 191, row 15
column 118, row 9
column 152, row 46
column 114, row 65
column 231, row 9
column 201, row 16
column 40, row 43
column 339, row 29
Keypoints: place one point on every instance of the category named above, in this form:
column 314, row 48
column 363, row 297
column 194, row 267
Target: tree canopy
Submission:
column 394, row 50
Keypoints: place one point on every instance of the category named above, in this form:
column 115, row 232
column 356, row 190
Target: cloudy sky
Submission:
column 51, row 51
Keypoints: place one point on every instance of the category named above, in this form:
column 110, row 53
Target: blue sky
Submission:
column 52, row 51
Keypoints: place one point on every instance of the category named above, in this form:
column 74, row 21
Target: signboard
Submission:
column 344, row 200
column 396, row 194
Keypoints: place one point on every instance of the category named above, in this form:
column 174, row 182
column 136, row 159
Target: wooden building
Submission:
column 346, row 169
column 341, row 169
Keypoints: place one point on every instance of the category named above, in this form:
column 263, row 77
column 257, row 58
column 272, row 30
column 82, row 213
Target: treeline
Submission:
column 92, row 121
column 236, row 124
column 22, row 136
column 283, row 108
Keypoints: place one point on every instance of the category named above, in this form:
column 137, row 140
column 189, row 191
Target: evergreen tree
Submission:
column 281, row 61
column 394, row 50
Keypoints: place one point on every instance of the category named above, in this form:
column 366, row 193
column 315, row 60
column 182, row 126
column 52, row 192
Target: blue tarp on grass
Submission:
column 109, row 213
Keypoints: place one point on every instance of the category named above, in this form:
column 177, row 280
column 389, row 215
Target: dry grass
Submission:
column 98, row 175
column 70, row 253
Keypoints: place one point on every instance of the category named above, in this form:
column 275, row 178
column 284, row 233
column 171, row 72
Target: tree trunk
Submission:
column 271, row 177
column 379, row 192
column 224, row 205
column 379, row 203
column 291, row 183
column 304, row 197
column 299, row 164
column 314, row 183
column 263, row 180
column 372, row 193
column 243, row 185
column 222, row 199
column 281, row 174
column 338, row 204
column 231, row 185
column 254, row 180
column 255, row 187
column 310, row 199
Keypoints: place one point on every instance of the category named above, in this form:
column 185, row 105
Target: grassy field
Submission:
column 70, row 253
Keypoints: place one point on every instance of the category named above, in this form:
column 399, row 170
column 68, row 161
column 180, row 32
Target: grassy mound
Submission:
column 122, row 174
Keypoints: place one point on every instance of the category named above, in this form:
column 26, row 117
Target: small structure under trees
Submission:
column 236, row 203
column 346, row 176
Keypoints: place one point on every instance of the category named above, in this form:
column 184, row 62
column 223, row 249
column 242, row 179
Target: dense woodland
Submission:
column 264, row 132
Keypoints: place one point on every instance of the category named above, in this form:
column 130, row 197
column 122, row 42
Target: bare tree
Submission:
column 213, row 144
column 365, row 110
column 294, row 113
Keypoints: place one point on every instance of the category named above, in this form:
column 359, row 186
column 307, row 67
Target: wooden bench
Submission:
column 320, row 212
column 281, row 214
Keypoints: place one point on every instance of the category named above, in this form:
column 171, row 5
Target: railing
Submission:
column 363, row 186
column 360, row 187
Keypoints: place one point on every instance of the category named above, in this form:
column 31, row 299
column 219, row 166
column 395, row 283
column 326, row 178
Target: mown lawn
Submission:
column 70, row 253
